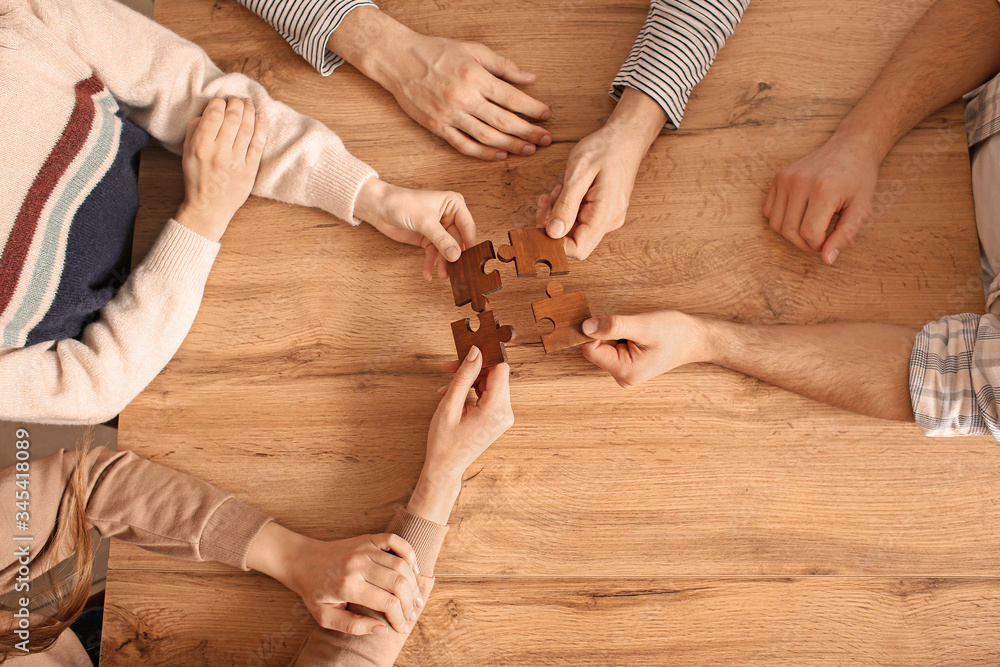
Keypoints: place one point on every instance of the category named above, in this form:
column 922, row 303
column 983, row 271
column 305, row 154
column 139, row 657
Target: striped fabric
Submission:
column 307, row 25
column 982, row 111
column 675, row 48
column 41, row 296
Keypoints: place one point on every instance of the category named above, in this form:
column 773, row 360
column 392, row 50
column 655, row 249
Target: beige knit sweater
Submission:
column 47, row 48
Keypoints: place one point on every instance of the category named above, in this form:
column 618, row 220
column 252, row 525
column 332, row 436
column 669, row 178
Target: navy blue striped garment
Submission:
column 672, row 53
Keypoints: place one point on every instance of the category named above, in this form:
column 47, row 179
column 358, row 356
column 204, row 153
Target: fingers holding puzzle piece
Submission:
column 529, row 247
column 567, row 312
column 469, row 282
column 489, row 338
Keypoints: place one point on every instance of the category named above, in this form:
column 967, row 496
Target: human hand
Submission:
column 837, row 179
column 221, row 157
column 460, row 432
column 460, row 91
column 439, row 222
column 375, row 571
column 600, row 174
column 636, row 348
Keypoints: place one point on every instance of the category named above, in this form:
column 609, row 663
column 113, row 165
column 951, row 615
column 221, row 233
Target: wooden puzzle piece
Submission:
column 489, row 338
column 531, row 246
column 567, row 312
column 469, row 282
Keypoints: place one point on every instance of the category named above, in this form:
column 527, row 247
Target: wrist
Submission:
column 211, row 226
column 636, row 121
column 435, row 494
column 368, row 204
column 275, row 551
column 862, row 137
column 366, row 38
column 712, row 346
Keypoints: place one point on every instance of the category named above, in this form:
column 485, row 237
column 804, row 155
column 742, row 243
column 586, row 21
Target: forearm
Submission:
column 863, row 368
column 435, row 494
column 674, row 49
column 91, row 379
column 367, row 38
column 953, row 48
column 166, row 81
column 637, row 120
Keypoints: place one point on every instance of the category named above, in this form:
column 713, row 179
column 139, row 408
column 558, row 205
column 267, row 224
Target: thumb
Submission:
column 504, row 68
column 432, row 229
column 610, row 327
column 844, row 233
column 563, row 214
column 465, row 377
column 350, row 623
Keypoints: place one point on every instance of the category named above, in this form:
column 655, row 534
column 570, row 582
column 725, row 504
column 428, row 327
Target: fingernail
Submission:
column 546, row 114
column 556, row 227
column 589, row 326
column 416, row 567
column 452, row 254
column 501, row 155
column 406, row 628
column 473, row 354
column 546, row 140
column 380, row 630
column 528, row 149
column 832, row 255
column 420, row 600
column 413, row 615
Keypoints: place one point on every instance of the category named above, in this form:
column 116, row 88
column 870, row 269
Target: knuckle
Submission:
column 468, row 73
column 355, row 628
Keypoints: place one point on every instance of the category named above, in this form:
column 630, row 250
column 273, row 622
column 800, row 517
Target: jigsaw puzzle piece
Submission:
column 489, row 338
column 529, row 247
column 567, row 312
column 469, row 282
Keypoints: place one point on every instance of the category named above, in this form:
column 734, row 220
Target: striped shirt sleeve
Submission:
column 307, row 25
column 675, row 48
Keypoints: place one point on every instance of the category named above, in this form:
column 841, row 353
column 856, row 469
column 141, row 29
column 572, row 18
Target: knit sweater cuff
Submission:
column 182, row 255
column 230, row 531
column 426, row 537
column 336, row 181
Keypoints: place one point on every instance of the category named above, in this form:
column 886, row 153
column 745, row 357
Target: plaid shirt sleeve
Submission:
column 954, row 370
column 307, row 25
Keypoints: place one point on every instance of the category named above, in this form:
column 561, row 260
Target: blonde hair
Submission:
column 72, row 590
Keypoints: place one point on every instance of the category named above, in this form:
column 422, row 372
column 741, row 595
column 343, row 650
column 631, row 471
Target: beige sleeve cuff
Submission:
column 182, row 256
column 426, row 537
column 335, row 182
column 230, row 531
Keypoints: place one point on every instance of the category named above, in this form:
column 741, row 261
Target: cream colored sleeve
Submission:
column 163, row 81
column 91, row 379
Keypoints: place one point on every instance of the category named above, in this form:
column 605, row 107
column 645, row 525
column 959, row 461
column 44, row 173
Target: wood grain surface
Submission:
column 704, row 518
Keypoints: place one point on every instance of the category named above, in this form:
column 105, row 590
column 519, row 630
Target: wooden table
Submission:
column 705, row 518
